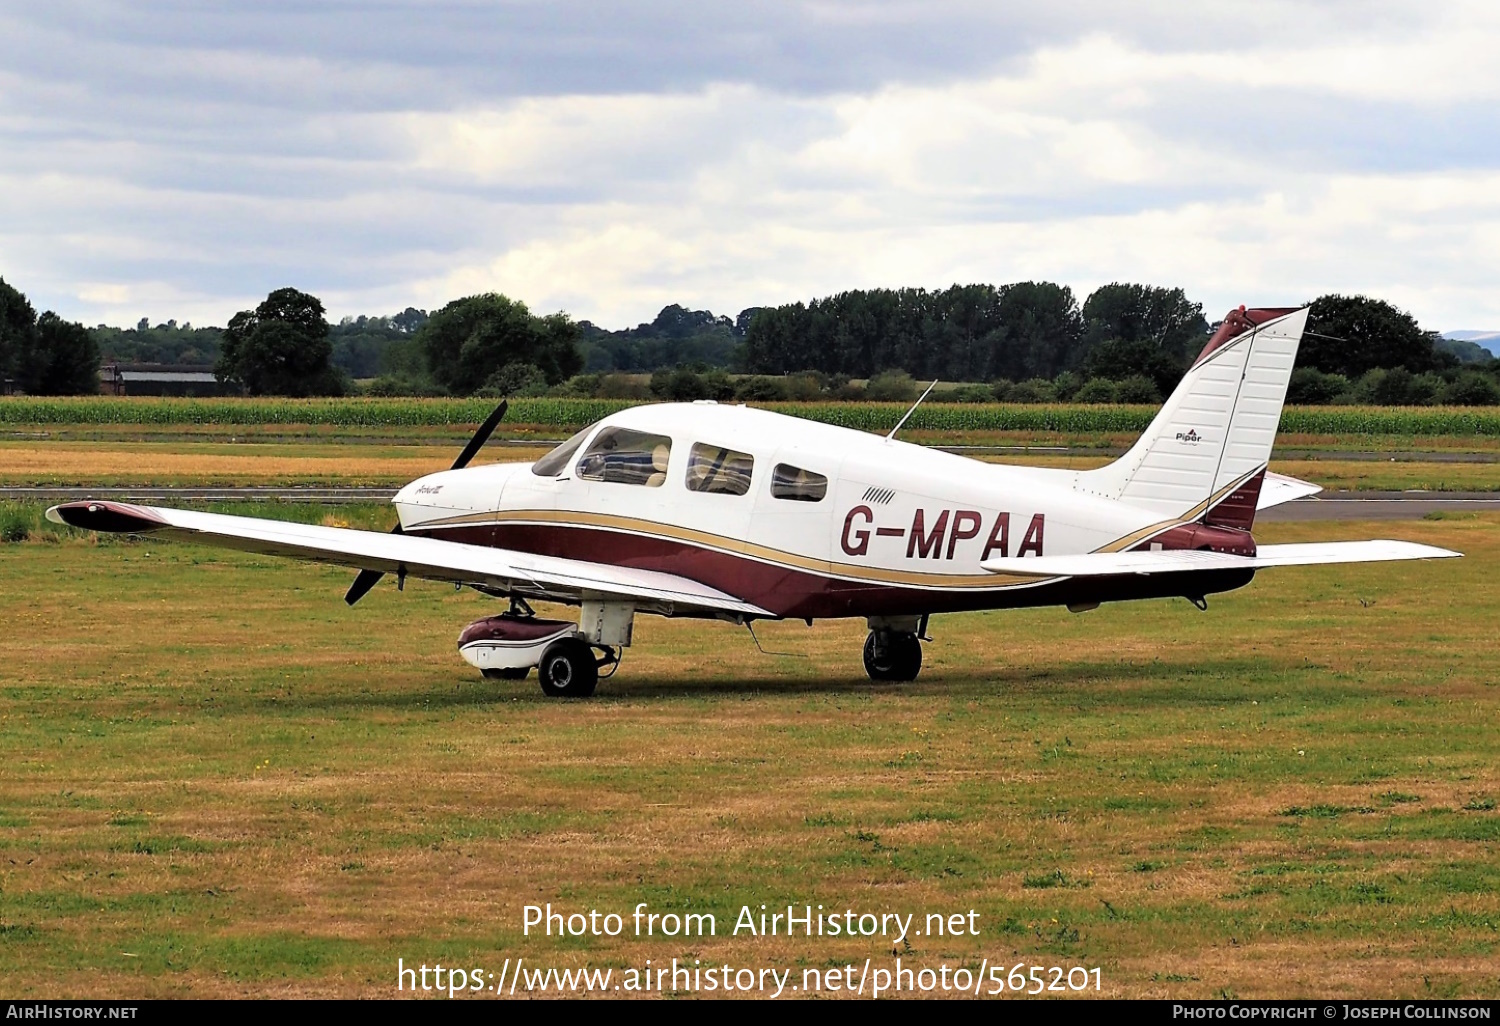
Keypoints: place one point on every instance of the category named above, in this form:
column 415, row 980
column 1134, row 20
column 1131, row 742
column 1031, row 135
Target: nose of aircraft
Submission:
column 449, row 492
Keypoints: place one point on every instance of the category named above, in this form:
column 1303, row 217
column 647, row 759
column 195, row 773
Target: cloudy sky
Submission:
column 180, row 159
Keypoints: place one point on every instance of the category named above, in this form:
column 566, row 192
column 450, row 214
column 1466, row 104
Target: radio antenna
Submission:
column 912, row 410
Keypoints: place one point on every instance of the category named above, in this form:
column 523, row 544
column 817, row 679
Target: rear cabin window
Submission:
column 713, row 468
column 789, row 482
column 623, row 456
column 556, row 461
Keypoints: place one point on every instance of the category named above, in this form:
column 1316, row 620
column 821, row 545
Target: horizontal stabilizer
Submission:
column 1279, row 488
column 1103, row 564
column 566, row 580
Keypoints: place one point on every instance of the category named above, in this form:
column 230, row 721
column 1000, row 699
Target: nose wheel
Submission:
column 893, row 655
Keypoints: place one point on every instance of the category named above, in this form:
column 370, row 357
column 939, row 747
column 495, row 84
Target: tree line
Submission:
column 44, row 355
column 1024, row 342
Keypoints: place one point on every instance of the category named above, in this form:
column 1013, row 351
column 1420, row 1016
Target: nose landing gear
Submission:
column 893, row 648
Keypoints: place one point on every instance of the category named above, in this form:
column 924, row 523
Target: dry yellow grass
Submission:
column 216, row 464
column 84, row 463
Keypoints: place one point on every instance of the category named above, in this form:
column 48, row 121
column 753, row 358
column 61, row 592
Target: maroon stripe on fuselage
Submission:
column 798, row 594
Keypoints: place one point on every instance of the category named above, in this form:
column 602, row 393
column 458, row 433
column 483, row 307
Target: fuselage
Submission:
column 804, row 519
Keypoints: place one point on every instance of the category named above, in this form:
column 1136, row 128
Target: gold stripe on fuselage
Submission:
column 734, row 546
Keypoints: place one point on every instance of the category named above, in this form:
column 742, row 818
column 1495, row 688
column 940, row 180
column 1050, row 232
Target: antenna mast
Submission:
column 912, row 410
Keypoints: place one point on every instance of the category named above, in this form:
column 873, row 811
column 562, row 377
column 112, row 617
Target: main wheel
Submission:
column 568, row 670
column 893, row 655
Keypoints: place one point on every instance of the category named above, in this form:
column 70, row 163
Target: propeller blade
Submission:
column 366, row 579
column 481, row 436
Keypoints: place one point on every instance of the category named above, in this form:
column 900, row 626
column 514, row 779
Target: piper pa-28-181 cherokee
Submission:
column 737, row 514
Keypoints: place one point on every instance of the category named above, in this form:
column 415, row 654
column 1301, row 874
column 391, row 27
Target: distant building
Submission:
column 161, row 379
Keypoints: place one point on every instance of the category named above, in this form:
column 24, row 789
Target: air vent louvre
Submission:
column 879, row 496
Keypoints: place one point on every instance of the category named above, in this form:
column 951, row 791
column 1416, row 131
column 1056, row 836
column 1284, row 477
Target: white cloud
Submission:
column 1312, row 148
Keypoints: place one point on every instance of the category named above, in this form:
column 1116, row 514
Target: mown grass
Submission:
column 221, row 780
column 26, row 522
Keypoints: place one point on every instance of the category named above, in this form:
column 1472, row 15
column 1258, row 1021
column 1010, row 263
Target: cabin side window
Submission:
column 556, row 461
column 789, row 482
column 713, row 468
column 622, row 456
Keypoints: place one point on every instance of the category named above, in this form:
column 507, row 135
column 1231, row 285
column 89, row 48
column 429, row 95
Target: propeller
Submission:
column 367, row 579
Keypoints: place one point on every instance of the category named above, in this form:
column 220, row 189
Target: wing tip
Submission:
column 110, row 517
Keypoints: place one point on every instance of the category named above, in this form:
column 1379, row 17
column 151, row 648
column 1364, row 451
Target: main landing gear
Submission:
column 568, row 669
column 507, row 646
column 893, row 648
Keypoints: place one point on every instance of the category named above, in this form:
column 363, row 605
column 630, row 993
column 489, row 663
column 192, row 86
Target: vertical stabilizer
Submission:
column 1211, row 441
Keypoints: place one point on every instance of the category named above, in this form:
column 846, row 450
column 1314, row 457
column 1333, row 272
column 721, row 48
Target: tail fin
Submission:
column 1205, row 454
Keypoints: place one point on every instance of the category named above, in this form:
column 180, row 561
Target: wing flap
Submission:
column 1103, row 564
column 429, row 558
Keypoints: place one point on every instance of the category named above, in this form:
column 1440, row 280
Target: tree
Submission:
column 1350, row 335
column 470, row 339
column 1118, row 359
column 1146, row 313
column 280, row 348
column 1311, row 387
column 17, row 334
column 965, row 332
column 66, row 360
column 1141, row 330
column 409, row 320
column 1042, row 330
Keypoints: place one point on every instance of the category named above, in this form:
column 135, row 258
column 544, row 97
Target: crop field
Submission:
column 575, row 413
column 220, row 780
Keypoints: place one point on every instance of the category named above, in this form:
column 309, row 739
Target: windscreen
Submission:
column 556, row 461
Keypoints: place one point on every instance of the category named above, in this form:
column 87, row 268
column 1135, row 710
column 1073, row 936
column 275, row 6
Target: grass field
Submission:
column 219, row 780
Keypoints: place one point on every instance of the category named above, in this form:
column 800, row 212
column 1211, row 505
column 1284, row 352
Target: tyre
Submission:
column 568, row 670
column 892, row 656
column 507, row 673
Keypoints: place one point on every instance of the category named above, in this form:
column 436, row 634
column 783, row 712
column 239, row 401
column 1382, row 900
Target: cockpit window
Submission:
column 713, row 468
column 789, row 482
column 623, row 456
column 556, row 461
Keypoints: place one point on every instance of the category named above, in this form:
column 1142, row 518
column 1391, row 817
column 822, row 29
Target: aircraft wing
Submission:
column 547, row 577
column 1278, row 488
column 1103, row 564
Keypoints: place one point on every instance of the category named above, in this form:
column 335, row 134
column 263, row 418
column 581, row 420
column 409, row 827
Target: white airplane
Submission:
column 738, row 514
